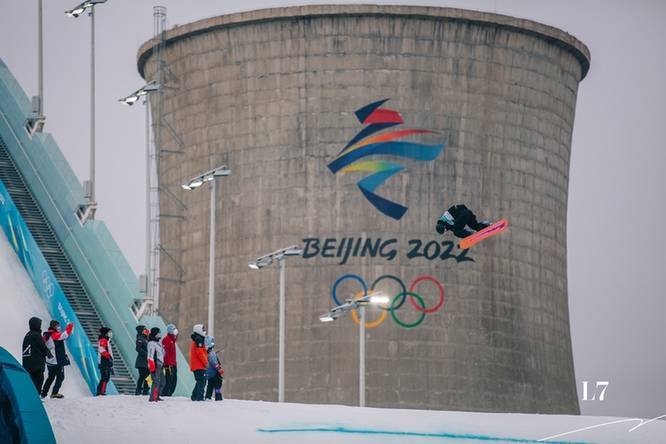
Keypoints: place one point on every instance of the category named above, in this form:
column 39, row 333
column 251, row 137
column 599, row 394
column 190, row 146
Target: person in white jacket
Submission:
column 155, row 363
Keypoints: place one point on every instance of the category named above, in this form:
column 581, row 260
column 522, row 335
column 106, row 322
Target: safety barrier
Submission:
column 48, row 288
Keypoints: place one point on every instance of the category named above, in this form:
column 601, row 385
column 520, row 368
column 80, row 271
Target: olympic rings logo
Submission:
column 406, row 293
column 47, row 285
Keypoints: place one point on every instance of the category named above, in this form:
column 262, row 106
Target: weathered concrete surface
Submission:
column 272, row 94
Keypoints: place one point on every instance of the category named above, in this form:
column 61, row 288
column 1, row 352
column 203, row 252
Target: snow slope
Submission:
column 19, row 302
column 128, row 420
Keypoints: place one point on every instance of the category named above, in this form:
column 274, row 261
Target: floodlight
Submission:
column 263, row 261
column 379, row 299
column 80, row 8
column 151, row 86
column 196, row 182
column 129, row 100
column 260, row 262
column 75, row 12
column 277, row 255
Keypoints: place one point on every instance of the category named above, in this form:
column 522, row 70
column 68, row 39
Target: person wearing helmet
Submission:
column 461, row 221
column 104, row 359
column 170, row 370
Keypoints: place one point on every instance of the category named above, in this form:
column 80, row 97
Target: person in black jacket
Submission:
column 461, row 221
column 141, row 362
column 35, row 353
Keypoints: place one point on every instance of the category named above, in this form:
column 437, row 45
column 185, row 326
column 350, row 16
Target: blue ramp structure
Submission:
column 86, row 263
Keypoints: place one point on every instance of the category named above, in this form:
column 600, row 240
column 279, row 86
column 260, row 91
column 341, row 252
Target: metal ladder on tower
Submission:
column 62, row 268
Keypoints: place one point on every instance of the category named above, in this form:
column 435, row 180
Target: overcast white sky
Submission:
column 617, row 270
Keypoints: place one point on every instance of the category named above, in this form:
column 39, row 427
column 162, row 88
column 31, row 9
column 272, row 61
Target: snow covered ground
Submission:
column 80, row 418
column 19, row 302
column 128, row 420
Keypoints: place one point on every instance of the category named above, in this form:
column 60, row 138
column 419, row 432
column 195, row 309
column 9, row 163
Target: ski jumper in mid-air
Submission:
column 461, row 221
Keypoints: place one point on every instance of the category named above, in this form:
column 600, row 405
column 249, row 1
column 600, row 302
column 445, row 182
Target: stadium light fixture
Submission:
column 208, row 176
column 326, row 318
column 278, row 255
column 150, row 87
column 87, row 211
column 196, row 182
column 81, row 7
column 375, row 298
column 261, row 262
column 379, row 299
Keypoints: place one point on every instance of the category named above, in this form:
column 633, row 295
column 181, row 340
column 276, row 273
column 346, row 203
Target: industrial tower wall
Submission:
column 272, row 94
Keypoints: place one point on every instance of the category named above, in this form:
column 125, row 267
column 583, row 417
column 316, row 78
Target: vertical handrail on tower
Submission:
column 159, row 36
column 163, row 76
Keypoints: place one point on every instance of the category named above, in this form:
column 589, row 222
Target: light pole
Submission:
column 196, row 182
column 130, row 100
column 35, row 123
column 280, row 256
column 88, row 213
column 377, row 298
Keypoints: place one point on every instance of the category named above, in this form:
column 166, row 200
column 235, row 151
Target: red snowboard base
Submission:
column 477, row 237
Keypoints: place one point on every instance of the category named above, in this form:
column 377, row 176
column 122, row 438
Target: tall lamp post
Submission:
column 377, row 298
column 35, row 123
column 150, row 87
column 263, row 261
column 87, row 212
column 196, row 182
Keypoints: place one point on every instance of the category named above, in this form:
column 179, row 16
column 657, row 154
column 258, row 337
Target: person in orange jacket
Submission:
column 198, row 361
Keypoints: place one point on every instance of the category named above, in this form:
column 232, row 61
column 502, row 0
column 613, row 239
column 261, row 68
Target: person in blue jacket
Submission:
column 214, row 372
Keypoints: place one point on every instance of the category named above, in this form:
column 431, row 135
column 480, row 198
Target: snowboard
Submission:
column 487, row 232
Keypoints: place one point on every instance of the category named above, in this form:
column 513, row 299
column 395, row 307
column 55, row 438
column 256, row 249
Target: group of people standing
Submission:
column 205, row 364
column 156, row 357
column 46, row 350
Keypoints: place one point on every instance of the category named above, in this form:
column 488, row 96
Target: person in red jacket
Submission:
column 55, row 341
column 198, row 361
column 170, row 370
column 105, row 359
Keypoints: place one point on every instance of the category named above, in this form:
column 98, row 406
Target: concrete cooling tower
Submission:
column 349, row 129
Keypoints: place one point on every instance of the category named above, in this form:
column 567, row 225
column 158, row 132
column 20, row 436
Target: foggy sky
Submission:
column 616, row 244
